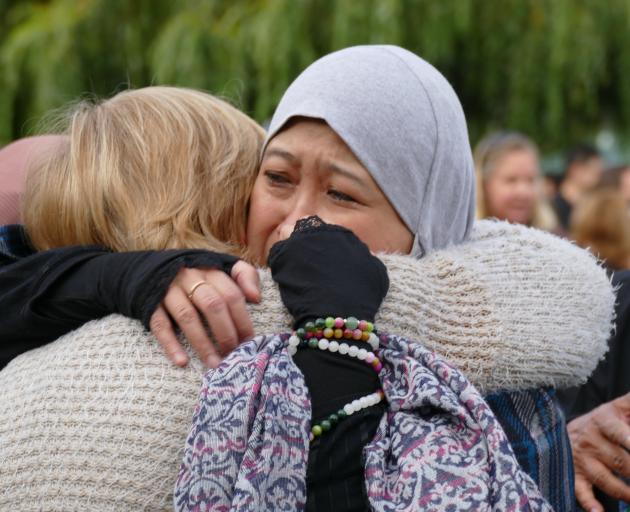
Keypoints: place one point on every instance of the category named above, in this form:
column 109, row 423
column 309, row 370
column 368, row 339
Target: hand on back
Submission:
column 198, row 296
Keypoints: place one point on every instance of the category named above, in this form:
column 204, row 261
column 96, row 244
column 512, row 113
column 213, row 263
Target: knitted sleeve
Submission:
column 513, row 307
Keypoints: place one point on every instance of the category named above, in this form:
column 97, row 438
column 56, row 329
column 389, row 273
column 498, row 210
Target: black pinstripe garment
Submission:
column 347, row 281
column 335, row 474
column 335, row 478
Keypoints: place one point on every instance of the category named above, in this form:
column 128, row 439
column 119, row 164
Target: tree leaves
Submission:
column 555, row 69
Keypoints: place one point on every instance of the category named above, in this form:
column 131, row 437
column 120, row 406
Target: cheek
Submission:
column 383, row 233
column 497, row 194
column 532, row 191
column 261, row 219
column 501, row 200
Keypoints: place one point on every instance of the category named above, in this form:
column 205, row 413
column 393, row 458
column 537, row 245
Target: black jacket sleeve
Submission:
column 51, row 293
column 611, row 378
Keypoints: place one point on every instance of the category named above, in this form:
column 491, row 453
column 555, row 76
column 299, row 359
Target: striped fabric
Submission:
column 335, row 473
column 536, row 429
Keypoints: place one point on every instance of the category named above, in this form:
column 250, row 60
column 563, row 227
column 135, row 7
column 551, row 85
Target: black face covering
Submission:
column 325, row 270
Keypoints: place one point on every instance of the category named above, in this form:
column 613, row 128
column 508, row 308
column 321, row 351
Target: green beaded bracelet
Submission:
column 350, row 408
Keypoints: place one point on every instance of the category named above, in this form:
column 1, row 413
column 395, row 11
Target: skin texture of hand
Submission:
column 599, row 441
column 220, row 300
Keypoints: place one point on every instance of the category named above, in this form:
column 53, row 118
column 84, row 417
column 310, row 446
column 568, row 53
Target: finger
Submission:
column 602, row 478
column 622, row 403
column 212, row 301
column 162, row 329
column 185, row 315
column 188, row 277
column 614, row 457
column 246, row 276
column 235, row 301
column 584, row 494
column 617, row 431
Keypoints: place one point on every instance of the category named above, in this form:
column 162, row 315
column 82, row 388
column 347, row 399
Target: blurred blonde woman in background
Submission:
column 509, row 181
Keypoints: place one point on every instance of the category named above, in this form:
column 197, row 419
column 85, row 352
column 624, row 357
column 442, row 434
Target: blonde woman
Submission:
column 508, row 181
column 140, row 171
column 135, row 172
column 129, row 407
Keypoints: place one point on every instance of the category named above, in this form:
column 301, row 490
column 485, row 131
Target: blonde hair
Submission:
column 488, row 152
column 153, row 168
column 600, row 222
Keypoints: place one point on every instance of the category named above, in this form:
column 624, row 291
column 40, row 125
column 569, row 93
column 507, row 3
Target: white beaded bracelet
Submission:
column 343, row 348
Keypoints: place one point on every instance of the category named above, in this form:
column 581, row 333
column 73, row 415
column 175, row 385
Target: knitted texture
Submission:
column 513, row 307
column 97, row 420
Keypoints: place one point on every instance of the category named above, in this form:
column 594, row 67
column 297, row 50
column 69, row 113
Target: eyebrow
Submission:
column 348, row 174
column 282, row 154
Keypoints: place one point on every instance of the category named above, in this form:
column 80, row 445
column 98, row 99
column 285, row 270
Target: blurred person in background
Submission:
column 509, row 181
column 14, row 159
column 599, row 410
column 619, row 178
column 598, row 416
column 583, row 172
column 549, row 187
column 600, row 223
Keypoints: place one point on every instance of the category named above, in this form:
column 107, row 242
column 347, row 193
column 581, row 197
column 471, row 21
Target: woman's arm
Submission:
column 513, row 307
column 32, row 313
column 50, row 293
column 600, row 441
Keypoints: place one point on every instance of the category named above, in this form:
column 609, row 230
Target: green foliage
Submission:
column 554, row 69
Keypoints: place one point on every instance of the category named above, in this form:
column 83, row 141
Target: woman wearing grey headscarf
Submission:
column 404, row 123
column 372, row 138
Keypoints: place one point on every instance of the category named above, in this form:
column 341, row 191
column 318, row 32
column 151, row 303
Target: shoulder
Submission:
column 515, row 306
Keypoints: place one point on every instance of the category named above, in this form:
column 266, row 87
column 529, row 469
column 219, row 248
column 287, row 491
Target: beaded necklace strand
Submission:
column 328, row 334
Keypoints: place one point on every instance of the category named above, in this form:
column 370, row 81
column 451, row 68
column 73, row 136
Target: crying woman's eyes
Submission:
column 340, row 196
column 279, row 179
column 276, row 178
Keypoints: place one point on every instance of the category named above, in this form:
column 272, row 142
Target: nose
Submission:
column 525, row 189
column 304, row 207
column 284, row 231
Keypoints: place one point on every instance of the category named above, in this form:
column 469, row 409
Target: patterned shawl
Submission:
column 439, row 446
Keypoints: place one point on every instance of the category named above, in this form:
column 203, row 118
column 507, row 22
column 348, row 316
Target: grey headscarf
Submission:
column 403, row 121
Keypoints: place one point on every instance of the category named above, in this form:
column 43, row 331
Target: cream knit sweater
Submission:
column 96, row 421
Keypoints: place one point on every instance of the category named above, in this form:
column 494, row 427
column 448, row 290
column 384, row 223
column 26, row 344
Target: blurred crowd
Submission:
column 588, row 203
